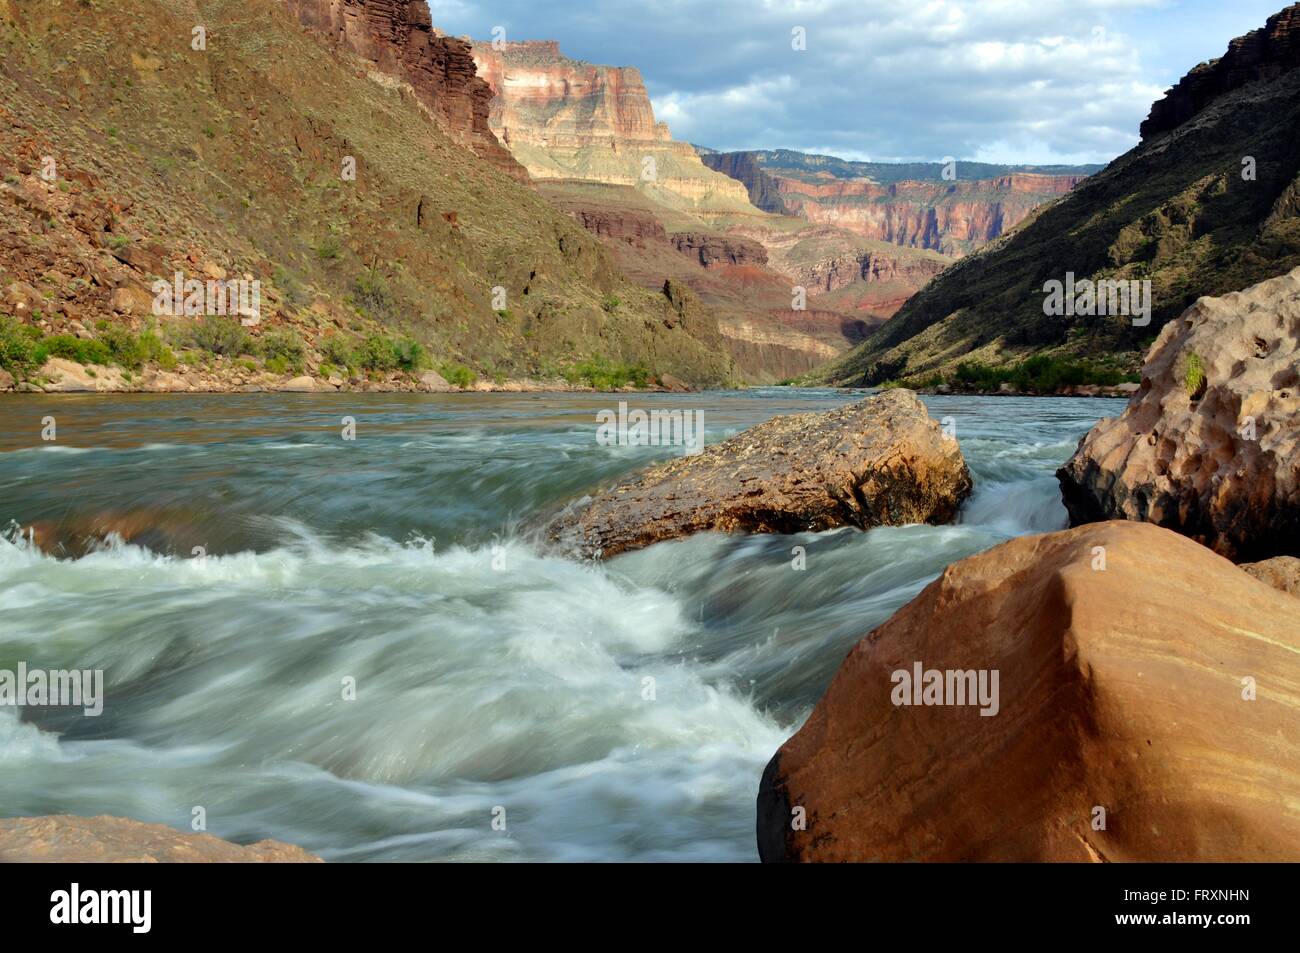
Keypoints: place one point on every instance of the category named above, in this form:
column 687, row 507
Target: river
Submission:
column 509, row 704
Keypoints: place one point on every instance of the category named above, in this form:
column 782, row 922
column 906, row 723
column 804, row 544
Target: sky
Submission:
column 1009, row 81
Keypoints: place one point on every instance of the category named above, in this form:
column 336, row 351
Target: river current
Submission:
column 358, row 645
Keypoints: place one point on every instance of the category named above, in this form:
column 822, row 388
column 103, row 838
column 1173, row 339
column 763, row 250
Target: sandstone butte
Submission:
column 566, row 119
column 65, row 839
column 881, row 461
column 1208, row 444
column 1119, row 689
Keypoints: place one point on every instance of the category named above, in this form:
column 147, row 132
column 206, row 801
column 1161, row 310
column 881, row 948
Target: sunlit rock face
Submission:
column 566, row 119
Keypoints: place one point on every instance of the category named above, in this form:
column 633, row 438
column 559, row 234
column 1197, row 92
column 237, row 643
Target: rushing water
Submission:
column 615, row 712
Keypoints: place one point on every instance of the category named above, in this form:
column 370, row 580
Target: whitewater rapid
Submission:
column 506, row 703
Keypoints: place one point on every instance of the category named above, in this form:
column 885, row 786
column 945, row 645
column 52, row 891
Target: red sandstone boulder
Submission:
column 65, row 839
column 1144, row 711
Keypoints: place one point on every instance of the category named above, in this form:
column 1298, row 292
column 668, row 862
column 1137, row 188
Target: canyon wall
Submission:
column 953, row 218
column 398, row 36
column 567, row 119
column 1260, row 55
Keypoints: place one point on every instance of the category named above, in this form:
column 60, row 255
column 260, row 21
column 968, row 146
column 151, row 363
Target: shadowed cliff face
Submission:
column 563, row 118
column 399, row 38
column 1263, row 54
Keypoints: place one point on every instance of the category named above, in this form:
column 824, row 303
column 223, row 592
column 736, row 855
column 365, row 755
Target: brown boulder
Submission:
column 1119, row 690
column 1280, row 572
column 879, row 462
column 131, row 299
column 1208, row 446
column 66, row 839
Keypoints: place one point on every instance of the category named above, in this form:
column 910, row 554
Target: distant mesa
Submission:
column 567, row 119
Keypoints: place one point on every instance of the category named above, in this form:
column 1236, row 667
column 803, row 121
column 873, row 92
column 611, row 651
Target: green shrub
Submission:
column 377, row 353
column 285, row 348
column 410, row 354
column 1194, row 375
column 458, row 375
column 218, row 335
column 18, row 348
column 600, row 374
column 370, row 294
column 328, row 249
column 75, row 349
column 1039, row 374
column 337, row 350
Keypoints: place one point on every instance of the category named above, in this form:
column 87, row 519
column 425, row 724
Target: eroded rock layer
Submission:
column 1210, row 444
column 1261, row 55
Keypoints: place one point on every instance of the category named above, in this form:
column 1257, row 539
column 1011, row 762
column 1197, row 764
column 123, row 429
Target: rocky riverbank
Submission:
column 62, row 376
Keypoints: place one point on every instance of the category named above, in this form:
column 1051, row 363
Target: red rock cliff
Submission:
column 949, row 217
column 1262, row 54
column 399, row 38
column 568, row 119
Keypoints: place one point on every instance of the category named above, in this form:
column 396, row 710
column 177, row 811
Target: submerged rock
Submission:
column 1210, row 445
column 881, row 461
column 66, row 839
column 1131, row 696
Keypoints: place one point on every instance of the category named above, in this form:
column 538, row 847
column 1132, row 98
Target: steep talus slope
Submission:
column 1207, row 207
column 231, row 160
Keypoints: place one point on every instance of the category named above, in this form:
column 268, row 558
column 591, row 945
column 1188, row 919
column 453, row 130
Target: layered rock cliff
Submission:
column 714, row 250
column 564, row 118
column 398, row 36
column 1260, row 55
column 952, row 217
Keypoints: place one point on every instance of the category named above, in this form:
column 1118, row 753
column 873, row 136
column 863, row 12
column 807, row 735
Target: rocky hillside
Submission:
column 333, row 151
column 908, row 204
column 1206, row 204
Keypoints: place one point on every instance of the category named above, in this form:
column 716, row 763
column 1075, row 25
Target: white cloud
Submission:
column 1022, row 80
